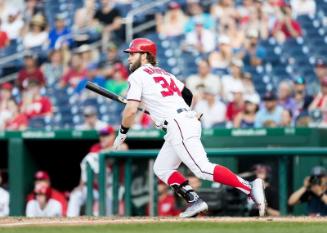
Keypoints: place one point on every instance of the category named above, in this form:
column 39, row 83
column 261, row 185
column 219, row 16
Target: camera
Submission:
column 315, row 180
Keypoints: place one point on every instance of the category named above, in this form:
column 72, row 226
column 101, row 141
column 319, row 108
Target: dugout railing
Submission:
column 283, row 155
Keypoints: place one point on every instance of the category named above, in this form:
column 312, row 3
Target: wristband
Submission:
column 123, row 129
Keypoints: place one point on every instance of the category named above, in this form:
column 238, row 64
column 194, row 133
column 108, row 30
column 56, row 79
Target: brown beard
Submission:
column 136, row 65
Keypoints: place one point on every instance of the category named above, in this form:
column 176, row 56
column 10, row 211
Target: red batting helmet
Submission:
column 142, row 45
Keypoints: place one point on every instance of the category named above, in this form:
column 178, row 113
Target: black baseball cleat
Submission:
column 194, row 209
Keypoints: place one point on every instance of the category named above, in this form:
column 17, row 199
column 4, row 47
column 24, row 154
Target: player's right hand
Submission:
column 119, row 140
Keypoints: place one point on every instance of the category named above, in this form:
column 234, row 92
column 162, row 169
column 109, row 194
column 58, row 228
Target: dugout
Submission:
column 60, row 153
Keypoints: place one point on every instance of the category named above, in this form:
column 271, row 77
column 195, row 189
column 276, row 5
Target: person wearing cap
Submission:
column 42, row 205
column 79, row 194
column 31, row 71
column 320, row 101
column 204, row 78
column 270, row 114
column 36, row 36
column 42, row 179
column 172, row 23
column 302, row 101
column 4, row 200
column 6, row 100
column 221, row 57
column 313, row 192
column 253, row 54
column 233, row 79
column 235, row 106
column 246, row 118
column 33, row 103
column 212, row 108
column 60, row 34
column 285, row 96
column 91, row 121
column 200, row 40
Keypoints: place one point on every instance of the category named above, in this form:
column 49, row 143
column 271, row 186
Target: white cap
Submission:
column 254, row 98
column 223, row 39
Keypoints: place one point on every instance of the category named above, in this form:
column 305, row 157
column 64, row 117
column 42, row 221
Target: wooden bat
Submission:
column 108, row 94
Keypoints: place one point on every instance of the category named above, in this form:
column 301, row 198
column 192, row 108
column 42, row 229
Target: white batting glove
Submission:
column 121, row 137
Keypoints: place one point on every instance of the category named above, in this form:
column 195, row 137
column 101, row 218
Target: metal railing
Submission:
column 282, row 154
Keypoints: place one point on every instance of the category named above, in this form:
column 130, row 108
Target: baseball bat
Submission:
column 108, row 94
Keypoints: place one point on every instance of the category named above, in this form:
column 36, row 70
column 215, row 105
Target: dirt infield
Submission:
column 23, row 221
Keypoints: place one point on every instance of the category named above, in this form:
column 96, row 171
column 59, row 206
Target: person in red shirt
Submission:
column 237, row 105
column 75, row 73
column 33, row 103
column 30, row 72
column 286, row 27
column 6, row 100
column 42, row 178
column 166, row 201
column 18, row 121
column 4, row 39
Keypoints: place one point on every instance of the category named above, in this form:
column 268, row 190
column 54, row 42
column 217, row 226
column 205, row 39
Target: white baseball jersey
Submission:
column 52, row 209
column 159, row 91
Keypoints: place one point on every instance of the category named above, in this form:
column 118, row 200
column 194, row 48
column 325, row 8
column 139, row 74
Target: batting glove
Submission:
column 121, row 137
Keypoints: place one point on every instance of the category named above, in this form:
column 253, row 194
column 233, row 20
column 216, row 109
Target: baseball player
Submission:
column 168, row 101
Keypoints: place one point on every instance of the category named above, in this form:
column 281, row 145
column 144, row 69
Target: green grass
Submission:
column 183, row 227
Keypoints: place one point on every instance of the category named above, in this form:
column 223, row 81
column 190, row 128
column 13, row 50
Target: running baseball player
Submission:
column 168, row 101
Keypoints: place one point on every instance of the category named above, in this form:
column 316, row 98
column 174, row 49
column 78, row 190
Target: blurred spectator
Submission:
column 286, row 27
column 109, row 18
column 232, row 80
column 88, row 54
column 253, row 54
column 54, row 68
column 93, row 75
column 118, row 83
column 32, row 8
column 321, row 72
column 221, row 58
column 303, row 7
column 200, row 40
column 172, row 22
column 270, row 114
column 84, row 28
column 258, row 21
column 36, row 35
column 4, row 39
column 320, row 101
column 196, row 13
column 74, row 73
column 42, row 180
column 249, row 88
column 91, row 121
column 264, row 172
column 78, row 195
column 60, row 35
column 31, row 71
column 313, row 192
column 5, row 9
column 13, row 25
column 166, row 201
column 6, row 100
column 42, row 205
column 212, row 108
column 203, row 79
column 4, row 200
column 302, row 99
column 285, row 96
column 246, row 118
column 18, row 120
column 33, row 103
column 235, row 106
column 223, row 11
column 232, row 30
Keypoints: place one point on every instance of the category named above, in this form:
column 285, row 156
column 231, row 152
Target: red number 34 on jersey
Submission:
column 169, row 87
